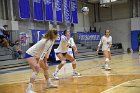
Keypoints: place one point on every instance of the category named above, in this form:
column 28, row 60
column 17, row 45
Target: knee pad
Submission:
column 107, row 59
column 74, row 62
column 34, row 75
column 63, row 62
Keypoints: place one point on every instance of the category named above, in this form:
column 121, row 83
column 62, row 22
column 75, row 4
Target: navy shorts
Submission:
column 27, row 56
column 61, row 53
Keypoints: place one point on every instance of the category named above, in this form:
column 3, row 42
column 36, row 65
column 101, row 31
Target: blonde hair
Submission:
column 51, row 34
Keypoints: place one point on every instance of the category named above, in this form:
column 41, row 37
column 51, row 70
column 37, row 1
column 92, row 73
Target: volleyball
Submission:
column 85, row 10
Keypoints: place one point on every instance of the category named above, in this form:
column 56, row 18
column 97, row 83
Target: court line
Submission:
column 108, row 90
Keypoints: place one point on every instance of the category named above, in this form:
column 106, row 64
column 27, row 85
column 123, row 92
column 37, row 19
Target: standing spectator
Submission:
column 17, row 50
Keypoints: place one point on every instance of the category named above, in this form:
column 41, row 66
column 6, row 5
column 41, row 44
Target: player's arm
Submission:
column 73, row 45
column 64, row 38
column 110, row 44
column 99, row 45
column 75, row 49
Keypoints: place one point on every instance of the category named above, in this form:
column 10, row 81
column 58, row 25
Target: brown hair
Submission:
column 51, row 34
column 107, row 30
column 65, row 31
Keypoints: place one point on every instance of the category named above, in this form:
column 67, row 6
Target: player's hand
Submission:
column 76, row 51
column 109, row 46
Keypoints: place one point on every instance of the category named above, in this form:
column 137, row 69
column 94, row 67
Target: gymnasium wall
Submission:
column 3, row 22
column 116, row 11
column 120, row 31
column 1, row 10
column 135, row 23
column 84, row 20
column 118, row 18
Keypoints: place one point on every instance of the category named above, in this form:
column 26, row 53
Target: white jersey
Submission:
column 105, row 41
column 41, row 49
column 65, row 44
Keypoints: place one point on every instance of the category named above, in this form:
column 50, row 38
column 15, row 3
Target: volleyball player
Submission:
column 62, row 53
column 106, row 42
column 37, row 57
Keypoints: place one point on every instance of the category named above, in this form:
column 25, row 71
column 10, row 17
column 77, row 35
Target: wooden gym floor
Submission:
column 123, row 78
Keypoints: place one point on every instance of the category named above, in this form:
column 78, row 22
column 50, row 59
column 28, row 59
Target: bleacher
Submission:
column 7, row 59
column 5, row 54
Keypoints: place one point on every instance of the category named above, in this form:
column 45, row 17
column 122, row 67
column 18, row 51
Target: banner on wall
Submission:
column 135, row 39
column 88, row 36
column 24, row 9
column 48, row 10
column 38, row 34
column 58, row 7
column 67, row 11
column 74, row 16
column 38, row 10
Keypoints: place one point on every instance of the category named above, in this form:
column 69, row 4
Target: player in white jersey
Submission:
column 106, row 42
column 65, row 43
column 37, row 57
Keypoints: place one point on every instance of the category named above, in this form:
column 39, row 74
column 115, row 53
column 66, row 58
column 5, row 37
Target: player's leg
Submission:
column 35, row 67
column 109, row 55
column 45, row 68
column 106, row 54
column 73, row 61
column 63, row 61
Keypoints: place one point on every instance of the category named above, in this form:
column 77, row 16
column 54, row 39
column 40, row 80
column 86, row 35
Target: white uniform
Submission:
column 65, row 44
column 41, row 49
column 105, row 41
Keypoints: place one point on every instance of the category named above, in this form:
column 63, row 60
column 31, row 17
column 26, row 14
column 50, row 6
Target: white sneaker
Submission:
column 55, row 76
column 51, row 85
column 76, row 74
column 107, row 67
column 30, row 91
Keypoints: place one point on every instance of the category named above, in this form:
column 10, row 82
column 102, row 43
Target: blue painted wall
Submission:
column 134, row 40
